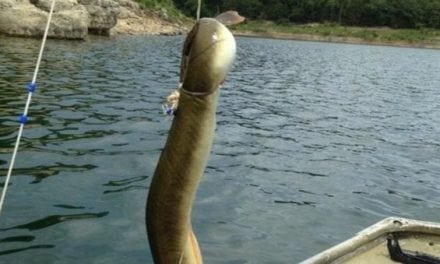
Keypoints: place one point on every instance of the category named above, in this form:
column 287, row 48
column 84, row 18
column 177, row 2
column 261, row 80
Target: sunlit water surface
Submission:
column 314, row 142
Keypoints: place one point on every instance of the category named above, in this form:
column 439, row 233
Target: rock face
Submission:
column 134, row 20
column 102, row 14
column 75, row 19
column 72, row 19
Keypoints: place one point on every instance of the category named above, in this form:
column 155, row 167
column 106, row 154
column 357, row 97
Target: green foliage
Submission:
column 378, row 34
column 391, row 13
column 156, row 3
column 164, row 5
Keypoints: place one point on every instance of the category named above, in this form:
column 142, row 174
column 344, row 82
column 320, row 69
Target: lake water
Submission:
column 314, row 142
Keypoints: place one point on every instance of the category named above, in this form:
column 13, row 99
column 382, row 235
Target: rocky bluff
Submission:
column 73, row 19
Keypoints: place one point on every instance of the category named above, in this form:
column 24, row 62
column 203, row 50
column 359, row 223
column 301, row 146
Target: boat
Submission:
column 392, row 240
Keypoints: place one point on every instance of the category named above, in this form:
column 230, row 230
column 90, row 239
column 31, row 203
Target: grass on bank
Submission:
column 425, row 35
column 165, row 8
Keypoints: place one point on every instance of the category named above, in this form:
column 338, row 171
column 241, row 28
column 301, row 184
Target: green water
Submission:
column 314, row 142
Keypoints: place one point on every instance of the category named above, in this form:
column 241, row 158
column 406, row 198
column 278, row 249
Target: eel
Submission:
column 208, row 53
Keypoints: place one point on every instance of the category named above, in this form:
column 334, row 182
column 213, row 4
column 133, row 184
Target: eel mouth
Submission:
column 207, row 56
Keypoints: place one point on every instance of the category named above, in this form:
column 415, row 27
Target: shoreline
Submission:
column 152, row 24
column 148, row 22
column 335, row 39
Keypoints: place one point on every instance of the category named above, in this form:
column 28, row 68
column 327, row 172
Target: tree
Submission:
column 393, row 13
column 247, row 8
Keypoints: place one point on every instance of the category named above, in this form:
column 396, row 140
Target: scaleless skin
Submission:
column 208, row 53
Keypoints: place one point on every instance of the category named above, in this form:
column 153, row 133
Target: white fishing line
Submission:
column 23, row 117
column 199, row 6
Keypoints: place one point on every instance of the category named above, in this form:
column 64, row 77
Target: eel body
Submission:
column 208, row 53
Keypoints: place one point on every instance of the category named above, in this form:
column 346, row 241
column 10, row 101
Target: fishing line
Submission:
column 199, row 4
column 31, row 87
column 172, row 101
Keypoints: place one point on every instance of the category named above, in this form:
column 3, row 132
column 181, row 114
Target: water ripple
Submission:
column 303, row 130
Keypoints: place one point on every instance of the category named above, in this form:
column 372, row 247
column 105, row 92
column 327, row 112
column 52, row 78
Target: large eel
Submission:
column 208, row 53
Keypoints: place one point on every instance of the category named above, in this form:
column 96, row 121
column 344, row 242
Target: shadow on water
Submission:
column 17, row 239
column 66, row 206
column 44, row 171
column 125, row 182
column 16, row 250
column 41, row 224
column 55, row 219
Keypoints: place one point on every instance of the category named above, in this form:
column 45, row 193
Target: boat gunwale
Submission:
column 382, row 228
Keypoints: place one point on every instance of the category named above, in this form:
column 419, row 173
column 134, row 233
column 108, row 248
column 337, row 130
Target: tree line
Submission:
column 378, row 13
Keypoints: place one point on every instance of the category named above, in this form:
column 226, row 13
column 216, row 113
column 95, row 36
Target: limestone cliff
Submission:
column 75, row 19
